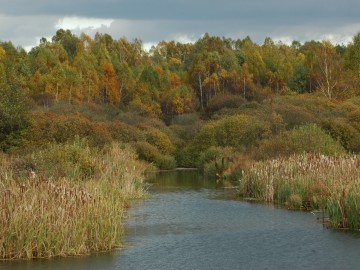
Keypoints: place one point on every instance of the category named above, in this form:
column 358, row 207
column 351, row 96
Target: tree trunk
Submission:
column 201, row 93
column 57, row 92
column 244, row 88
column 70, row 93
column 88, row 99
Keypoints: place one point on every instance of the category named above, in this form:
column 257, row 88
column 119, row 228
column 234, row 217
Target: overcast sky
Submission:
column 24, row 22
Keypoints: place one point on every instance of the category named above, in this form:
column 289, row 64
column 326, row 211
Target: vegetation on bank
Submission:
column 66, row 199
column 309, row 181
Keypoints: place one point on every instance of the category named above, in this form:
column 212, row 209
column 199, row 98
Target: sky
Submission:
column 24, row 22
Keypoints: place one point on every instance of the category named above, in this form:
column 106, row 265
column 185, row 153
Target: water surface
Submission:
column 190, row 223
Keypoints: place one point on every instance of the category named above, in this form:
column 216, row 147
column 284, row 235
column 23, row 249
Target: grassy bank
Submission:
column 309, row 182
column 71, row 203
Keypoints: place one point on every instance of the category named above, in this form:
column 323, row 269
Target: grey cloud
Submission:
column 154, row 20
column 26, row 30
column 186, row 9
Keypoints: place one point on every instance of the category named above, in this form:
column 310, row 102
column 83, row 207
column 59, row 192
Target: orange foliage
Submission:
column 111, row 83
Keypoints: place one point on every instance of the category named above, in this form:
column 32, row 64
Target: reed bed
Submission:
column 45, row 216
column 309, row 181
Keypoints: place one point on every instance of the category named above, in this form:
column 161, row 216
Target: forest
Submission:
column 234, row 109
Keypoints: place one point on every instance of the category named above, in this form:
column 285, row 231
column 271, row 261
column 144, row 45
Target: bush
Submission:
column 224, row 101
column 302, row 109
column 160, row 140
column 151, row 154
column 239, row 131
column 354, row 119
column 211, row 154
column 125, row 133
column 343, row 132
column 146, row 151
column 48, row 127
column 185, row 119
column 13, row 118
column 73, row 160
column 308, row 138
column 165, row 162
column 186, row 157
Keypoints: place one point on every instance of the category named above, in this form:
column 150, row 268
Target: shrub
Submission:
column 146, row 151
column 208, row 157
column 186, row 157
column 224, row 101
column 308, row 138
column 160, row 140
column 73, row 160
column 48, row 127
column 343, row 132
column 239, row 131
column 185, row 119
column 13, row 117
column 354, row 119
column 124, row 132
column 165, row 162
column 297, row 110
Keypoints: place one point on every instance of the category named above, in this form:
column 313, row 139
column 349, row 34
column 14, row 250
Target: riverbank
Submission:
column 72, row 202
column 309, row 182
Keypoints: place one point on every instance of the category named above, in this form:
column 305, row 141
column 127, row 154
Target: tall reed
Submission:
column 309, row 181
column 46, row 216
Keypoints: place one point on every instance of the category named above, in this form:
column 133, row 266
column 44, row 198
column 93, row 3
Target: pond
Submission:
column 190, row 223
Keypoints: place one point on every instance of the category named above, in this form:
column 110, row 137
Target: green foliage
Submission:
column 214, row 161
column 308, row 138
column 185, row 119
column 48, row 127
column 165, row 162
column 296, row 110
column 212, row 154
column 73, row 160
column 150, row 153
column 124, row 132
column 146, row 151
column 159, row 139
column 13, row 118
column 224, row 101
column 239, row 131
column 186, row 157
column 343, row 132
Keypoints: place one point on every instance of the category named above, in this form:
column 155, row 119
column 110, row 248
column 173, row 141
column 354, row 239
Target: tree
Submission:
column 110, row 85
column 246, row 82
column 85, row 64
column 68, row 41
column 353, row 55
column 329, row 66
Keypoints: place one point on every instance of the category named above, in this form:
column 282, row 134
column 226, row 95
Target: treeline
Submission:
column 174, row 78
column 98, row 87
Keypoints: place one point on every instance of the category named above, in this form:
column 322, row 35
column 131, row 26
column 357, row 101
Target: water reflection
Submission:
column 180, row 180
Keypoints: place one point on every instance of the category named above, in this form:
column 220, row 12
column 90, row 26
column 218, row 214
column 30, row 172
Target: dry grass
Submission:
column 309, row 181
column 54, row 216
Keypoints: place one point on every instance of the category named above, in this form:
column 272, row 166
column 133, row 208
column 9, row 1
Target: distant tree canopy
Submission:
column 103, row 70
column 171, row 78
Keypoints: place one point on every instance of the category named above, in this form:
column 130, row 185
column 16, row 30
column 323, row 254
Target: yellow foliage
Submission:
column 2, row 53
